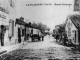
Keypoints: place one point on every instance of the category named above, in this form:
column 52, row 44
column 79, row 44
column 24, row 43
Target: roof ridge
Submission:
column 75, row 19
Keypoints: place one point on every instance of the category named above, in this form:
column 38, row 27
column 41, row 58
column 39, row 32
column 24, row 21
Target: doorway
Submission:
column 19, row 35
column 79, row 36
column 2, row 32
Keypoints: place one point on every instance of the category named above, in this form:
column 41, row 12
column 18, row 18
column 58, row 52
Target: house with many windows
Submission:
column 73, row 29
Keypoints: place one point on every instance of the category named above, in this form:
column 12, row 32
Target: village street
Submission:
column 42, row 50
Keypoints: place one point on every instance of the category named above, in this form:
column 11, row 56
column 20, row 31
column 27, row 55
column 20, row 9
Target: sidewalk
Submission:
column 7, row 49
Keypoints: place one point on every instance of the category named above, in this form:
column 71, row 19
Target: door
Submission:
column 75, row 36
column 2, row 32
column 79, row 36
column 19, row 35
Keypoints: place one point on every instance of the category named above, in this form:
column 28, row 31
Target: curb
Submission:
column 3, row 51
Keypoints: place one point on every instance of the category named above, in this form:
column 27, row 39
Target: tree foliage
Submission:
column 40, row 26
column 61, row 29
column 34, row 25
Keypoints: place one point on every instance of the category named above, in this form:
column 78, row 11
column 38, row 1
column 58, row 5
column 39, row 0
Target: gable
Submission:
column 75, row 20
column 70, row 25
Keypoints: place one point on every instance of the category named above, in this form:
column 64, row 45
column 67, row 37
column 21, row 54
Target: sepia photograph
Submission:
column 39, row 30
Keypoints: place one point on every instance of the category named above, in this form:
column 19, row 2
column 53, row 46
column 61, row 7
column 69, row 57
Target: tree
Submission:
column 61, row 29
column 42, row 27
column 34, row 25
column 48, row 29
column 62, row 33
column 30, row 23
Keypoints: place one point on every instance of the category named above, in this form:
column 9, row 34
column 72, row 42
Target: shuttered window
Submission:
column 11, row 28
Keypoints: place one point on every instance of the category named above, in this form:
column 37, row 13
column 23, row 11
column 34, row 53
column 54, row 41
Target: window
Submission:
column 74, row 37
column 71, row 23
column 68, row 25
column 23, row 32
column 69, row 31
column 11, row 28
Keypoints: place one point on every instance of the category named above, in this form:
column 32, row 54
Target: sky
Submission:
column 50, row 15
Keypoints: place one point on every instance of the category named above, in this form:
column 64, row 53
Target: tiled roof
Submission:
column 75, row 19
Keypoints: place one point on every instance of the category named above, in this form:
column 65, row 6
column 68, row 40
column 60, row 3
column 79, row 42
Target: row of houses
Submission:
column 16, row 32
column 12, row 30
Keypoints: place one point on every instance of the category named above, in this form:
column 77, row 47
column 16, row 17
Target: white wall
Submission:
column 73, row 28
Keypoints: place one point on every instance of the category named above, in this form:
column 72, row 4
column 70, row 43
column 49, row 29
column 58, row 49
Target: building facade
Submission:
column 72, row 29
column 20, row 30
column 7, row 19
